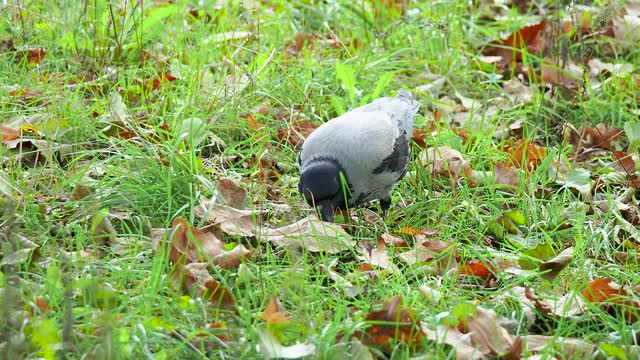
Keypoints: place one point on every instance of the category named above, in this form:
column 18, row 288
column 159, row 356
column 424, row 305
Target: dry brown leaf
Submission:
column 393, row 240
column 485, row 269
column 623, row 162
column 617, row 297
column 601, row 136
column 35, row 151
column 189, row 244
column 519, row 93
column 392, row 323
column 540, row 305
column 454, row 338
column 567, row 348
column 32, row 56
column 232, row 193
column 556, row 264
column 444, row 161
column 506, row 175
column 8, row 133
column 487, row 334
column 196, row 277
column 427, row 251
column 311, row 234
column 532, row 38
column 231, row 220
column 274, row 312
column 297, row 132
column 419, row 137
column 525, row 155
column 376, row 255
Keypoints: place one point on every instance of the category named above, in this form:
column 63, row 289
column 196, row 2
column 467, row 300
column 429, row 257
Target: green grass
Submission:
column 119, row 302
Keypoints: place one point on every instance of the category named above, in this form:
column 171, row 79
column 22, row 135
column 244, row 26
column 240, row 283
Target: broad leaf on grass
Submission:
column 44, row 334
column 578, row 179
column 310, row 234
column 613, row 297
column 394, row 322
column 195, row 278
column 189, row 244
column 346, row 76
column 193, row 130
column 376, row 255
column 231, row 220
column 231, row 192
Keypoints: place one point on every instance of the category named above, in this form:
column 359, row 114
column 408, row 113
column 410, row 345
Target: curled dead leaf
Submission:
column 556, row 264
column 189, row 244
column 444, row 161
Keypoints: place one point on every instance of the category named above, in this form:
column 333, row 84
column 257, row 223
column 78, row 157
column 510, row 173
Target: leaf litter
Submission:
column 236, row 228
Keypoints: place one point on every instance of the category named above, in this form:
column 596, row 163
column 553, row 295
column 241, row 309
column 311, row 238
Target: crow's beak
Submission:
column 326, row 210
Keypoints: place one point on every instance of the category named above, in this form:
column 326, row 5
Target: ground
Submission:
column 148, row 180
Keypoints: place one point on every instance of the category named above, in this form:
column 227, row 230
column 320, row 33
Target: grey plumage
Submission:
column 367, row 149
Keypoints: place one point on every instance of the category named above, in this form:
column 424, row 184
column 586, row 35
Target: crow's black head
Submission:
column 320, row 186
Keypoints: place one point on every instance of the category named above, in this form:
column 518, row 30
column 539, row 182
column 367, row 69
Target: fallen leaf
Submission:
column 232, row 193
column 32, row 56
column 623, row 162
column 487, row 334
column 444, row 161
column 393, row 240
column 271, row 348
column 231, row 220
column 311, row 234
column 568, row 348
column 196, row 277
column 408, row 230
column 392, row 322
column 419, row 137
column 476, row 268
column 454, row 338
column 33, row 151
column 556, row 264
column 605, row 291
column 506, row 175
column 585, row 137
column 510, row 49
column 519, row 93
column 189, row 244
column 8, row 133
column 274, row 312
column 525, row 155
column 297, row 132
column 376, row 255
